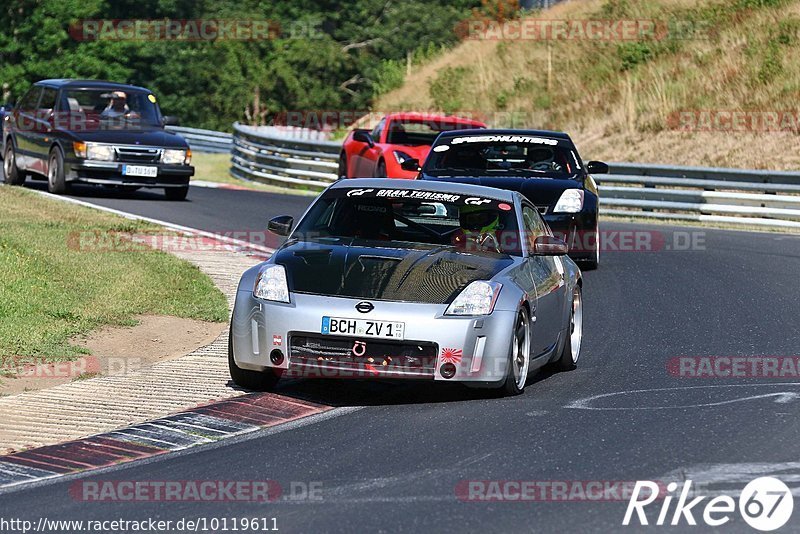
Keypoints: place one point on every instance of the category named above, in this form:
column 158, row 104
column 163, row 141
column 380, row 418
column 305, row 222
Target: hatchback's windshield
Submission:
column 112, row 109
column 502, row 155
column 402, row 215
column 416, row 132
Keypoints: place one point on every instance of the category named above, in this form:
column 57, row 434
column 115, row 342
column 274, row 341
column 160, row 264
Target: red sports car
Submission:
column 396, row 138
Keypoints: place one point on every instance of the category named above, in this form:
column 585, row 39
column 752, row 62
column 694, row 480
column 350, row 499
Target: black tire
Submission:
column 519, row 356
column 380, row 170
column 56, row 181
column 592, row 263
column 12, row 174
column 255, row 380
column 568, row 359
column 341, row 173
column 176, row 193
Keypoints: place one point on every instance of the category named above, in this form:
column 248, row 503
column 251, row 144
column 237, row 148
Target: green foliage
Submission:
column 446, row 89
column 326, row 56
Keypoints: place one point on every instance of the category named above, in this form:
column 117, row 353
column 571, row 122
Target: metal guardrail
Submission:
column 204, row 140
column 270, row 156
column 704, row 194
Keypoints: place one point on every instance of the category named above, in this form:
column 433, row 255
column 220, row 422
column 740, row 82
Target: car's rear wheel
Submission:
column 12, row 174
column 341, row 173
column 572, row 345
column 519, row 358
column 380, row 170
column 56, row 181
column 255, row 380
column 176, row 193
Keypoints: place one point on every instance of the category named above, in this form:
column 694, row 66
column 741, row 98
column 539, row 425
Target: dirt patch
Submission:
column 117, row 350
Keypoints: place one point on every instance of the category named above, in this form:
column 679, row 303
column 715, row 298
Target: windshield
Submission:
column 422, row 217
column 417, row 132
column 491, row 155
column 112, row 109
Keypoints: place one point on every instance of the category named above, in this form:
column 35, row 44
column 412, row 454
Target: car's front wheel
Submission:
column 255, row 380
column 519, row 359
column 568, row 359
column 56, row 181
column 176, row 193
column 341, row 173
column 12, row 174
column 593, row 262
column 380, row 170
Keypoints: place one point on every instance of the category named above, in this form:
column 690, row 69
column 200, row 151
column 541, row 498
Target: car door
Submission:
column 548, row 278
column 367, row 157
column 41, row 136
column 23, row 123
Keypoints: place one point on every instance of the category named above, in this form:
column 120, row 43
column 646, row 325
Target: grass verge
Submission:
column 52, row 288
column 215, row 168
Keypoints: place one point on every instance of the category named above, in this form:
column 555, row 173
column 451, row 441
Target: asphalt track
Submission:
column 394, row 465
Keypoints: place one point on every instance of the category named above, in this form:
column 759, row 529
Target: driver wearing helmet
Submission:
column 480, row 229
column 543, row 159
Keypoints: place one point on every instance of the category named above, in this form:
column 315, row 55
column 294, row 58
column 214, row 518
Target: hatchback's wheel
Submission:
column 572, row 346
column 519, row 359
column 176, row 193
column 255, row 380
column 12, row 174
column 56, row 182
column 341, row 173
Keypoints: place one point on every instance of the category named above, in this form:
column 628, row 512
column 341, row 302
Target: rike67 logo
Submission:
column 765, row 504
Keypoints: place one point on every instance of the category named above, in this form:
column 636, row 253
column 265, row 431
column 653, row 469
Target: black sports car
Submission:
column 544, row 166
column 95, row 132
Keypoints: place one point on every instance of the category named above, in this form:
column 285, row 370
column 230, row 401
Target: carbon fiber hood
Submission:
column 372, row 270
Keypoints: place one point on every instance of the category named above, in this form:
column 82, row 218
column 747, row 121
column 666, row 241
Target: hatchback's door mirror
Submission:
column 170, row 120
column 281, row 225
column 547, row 245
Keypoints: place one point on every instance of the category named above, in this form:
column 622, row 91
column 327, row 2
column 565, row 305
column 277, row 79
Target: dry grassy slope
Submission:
column 751, row 62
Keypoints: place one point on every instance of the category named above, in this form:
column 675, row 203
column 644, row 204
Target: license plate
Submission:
column 140, row 170
column 362, row 328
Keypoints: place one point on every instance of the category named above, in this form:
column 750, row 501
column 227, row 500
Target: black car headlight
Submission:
column 571, row 201
column 176, row 157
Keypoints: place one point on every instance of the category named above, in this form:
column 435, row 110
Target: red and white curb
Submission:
column 198, row 426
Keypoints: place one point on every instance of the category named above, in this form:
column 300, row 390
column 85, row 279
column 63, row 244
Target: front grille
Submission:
column 372, row 356
column 138, row 154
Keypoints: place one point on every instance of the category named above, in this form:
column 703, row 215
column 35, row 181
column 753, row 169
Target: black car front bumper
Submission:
column 110, row 173
column 578, row 230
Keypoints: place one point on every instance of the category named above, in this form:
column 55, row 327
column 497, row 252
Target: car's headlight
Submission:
column 400, row 156
column 95, row 151
column 271, row 284
column 571, row 201
column 175, row 157
column 478, row 298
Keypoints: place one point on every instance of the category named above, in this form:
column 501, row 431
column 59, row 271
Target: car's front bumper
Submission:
column 578, row 230
column 110, row 173
column 477, row 346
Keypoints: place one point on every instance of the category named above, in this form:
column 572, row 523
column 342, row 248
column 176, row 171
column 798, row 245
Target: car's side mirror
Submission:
column 411, row 164
column 597, row 167
column 547, row 245
column 281, row 225
column 363, row 136
column 169, row 120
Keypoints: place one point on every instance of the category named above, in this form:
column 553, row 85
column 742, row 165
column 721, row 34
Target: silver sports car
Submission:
column 409, row 279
